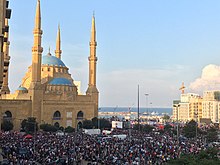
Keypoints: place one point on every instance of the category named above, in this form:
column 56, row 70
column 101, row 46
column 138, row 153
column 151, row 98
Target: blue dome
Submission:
column 52, row 60
column 20, row 88
column 60, row 81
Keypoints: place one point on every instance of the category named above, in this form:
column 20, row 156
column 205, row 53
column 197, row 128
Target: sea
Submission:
column 160, row 111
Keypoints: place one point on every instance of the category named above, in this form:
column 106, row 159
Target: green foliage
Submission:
column 137, row 127
column 189, row 130
column 61, row 128
column 212, row 135
column 207, row 157
column 147, row 128
column 29, row 125
column 48, row 128
column 95, row 122
column 101, row 123
column 167, row 127
column 105, row 124
column 166, row 117
column 7, row 125
column 69, row 129
column 87, row 124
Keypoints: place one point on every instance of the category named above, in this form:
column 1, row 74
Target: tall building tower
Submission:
column 58, row 50
column 92, row 89
column 5, row 88
column 5, row 13
column 35, row 89
column 37, row 49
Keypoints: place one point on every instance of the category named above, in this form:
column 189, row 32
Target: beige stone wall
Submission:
column 20, row 109
column 65, row 108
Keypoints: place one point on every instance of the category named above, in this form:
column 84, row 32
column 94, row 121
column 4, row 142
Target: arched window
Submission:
column 80, row 115
column 56, row 115
column 7, row 115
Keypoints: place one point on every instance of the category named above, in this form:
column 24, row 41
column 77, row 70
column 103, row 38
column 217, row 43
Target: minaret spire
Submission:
column 38, row 16
column 37, row 49
column 92, row 58
column 92, row 89
column 58, row 50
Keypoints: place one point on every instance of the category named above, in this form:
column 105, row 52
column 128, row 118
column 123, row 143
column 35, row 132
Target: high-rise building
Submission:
column 5, row 14
column 210, row 105
column 189, row 107
column 47, row 91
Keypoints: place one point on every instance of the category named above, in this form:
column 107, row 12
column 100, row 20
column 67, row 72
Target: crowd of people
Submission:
column 80, row 148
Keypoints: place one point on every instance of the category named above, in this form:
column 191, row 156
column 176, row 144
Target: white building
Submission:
column 189, row 107
column 211, row 105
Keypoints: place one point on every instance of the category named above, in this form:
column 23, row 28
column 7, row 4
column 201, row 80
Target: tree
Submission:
column 189, row 130
column 137, row 127
column 48, row 128
column 87, row 124
column 30, row 125
column 166, row 117
column 69, row 129
column 212, row 135
column 168, row 128
column 147, row 128
column 105, row 124
column 206, row 157
column 7, row 125
column 95, row 122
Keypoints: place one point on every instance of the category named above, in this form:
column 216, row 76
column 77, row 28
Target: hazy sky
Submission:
column 157, row 44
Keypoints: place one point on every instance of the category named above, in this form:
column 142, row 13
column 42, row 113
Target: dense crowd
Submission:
column 79, row 148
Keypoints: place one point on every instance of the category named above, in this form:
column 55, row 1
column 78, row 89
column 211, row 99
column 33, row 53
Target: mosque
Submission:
column 48, row 92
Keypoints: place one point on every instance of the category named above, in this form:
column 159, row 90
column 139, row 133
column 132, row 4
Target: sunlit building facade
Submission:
column 210, row 105
column 48, row 91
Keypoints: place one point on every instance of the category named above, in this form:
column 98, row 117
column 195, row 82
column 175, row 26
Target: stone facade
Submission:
column 48, row 91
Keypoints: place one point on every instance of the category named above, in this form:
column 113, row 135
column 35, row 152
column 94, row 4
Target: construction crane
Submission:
column 182, row 88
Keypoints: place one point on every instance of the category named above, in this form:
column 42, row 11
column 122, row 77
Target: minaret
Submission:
column 37, row 49
column 58, row 50
column 5, row 88
column 36, row 92
column 92, row 90
column 92, row 58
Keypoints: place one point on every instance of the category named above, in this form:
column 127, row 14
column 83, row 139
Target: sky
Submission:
column 155, row 44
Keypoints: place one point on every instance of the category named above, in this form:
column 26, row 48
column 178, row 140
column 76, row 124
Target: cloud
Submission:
column 209, row 80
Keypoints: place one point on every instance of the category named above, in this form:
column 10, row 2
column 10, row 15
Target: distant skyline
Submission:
column 156, row 44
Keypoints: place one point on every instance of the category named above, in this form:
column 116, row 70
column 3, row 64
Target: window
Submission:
column 57, row 115
column 80, row 115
